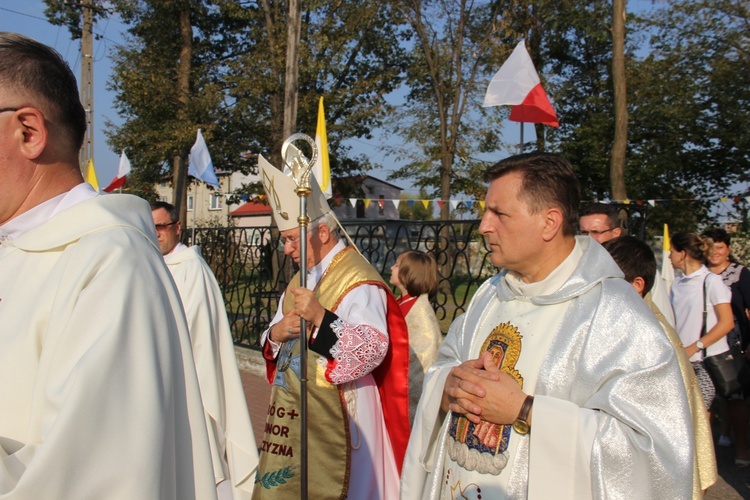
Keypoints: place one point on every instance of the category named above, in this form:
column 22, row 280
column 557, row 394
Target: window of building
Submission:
column 215, row 203
column 190, row 203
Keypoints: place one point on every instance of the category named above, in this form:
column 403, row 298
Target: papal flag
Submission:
column 663, row 282
column 322, row 168
column 91, row 175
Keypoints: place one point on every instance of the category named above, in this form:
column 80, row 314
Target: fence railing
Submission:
column 253, row 271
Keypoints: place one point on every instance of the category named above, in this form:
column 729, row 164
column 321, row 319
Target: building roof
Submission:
column 251, row 208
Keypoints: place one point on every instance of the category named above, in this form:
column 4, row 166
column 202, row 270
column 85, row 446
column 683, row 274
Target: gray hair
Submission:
column 329, row 220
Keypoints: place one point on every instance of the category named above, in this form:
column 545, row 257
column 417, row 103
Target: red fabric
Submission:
column 406, row 302
column 535, row 108
column 116, row 183
column 392, row 378
column 270, row 362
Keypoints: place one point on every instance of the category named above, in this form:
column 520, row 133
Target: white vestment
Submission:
column 230, row 434
column 98, row 387
column 610, row 416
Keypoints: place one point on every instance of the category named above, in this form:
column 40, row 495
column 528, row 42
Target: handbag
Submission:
column 725, row 368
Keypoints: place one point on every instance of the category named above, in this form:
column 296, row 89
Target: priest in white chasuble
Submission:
column 557, row 382
column 98, row 388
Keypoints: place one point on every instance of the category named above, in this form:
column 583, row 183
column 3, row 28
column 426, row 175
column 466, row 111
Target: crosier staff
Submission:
column 301, row 167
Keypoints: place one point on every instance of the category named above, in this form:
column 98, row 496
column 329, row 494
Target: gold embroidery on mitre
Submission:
column 483, row 447
column 268, row 185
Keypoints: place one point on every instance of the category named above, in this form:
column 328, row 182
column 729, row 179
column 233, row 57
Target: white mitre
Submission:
column 282, row 199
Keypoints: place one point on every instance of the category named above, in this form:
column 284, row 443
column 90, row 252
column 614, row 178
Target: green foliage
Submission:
column 69, row 14
column 442, row 123
column 350, row 53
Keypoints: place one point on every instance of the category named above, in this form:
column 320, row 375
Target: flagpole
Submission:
column 301, row 168
column 520, row 145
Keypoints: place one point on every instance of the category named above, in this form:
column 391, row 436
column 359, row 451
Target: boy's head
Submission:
column 636, row 260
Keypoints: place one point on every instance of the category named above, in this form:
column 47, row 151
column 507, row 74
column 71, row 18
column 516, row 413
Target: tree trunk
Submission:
column 179, row 176
column 620, row 142
column 446, row 171
column 294, row 25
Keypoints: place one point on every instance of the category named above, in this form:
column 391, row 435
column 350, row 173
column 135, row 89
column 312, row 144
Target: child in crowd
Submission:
column 415, row 275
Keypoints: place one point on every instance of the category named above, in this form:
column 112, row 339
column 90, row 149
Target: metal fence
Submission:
column 253, row 271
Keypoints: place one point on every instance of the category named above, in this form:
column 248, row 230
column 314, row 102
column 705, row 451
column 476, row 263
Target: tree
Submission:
column 350, row 52
column 455, row 46
column 691, row 101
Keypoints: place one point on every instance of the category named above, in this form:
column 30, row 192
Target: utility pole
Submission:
column 87, row 82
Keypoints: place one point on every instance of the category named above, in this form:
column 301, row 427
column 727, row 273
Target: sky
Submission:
column 27, row 17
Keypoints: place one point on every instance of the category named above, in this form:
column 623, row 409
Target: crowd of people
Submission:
column 568, row 376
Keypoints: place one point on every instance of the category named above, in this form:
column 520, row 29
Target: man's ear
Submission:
column 324, row 233
column 639, row 284
column 617, row 232
column 31, row 132
column 553, row 221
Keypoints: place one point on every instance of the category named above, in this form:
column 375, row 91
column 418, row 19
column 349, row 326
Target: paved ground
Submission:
column 733, row 483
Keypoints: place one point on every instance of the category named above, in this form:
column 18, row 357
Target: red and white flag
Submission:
column 122, row 172
column 517, row 84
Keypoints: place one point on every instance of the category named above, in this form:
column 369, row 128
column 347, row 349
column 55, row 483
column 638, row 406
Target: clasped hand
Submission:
column 305, row 306
column 480, row 391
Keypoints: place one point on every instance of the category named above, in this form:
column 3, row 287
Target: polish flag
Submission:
column 122, row 172
column 517, row 84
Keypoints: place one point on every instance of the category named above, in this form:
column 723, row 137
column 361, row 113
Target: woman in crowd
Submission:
column 415, row 275
column 689, row 254
column 737, row 278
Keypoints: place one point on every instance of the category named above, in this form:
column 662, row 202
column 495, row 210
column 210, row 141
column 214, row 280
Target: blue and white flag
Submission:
column 200, row 164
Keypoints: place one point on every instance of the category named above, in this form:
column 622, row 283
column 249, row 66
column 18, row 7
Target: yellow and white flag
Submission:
column 322, row 168
column 91, row 175
column 663, row 283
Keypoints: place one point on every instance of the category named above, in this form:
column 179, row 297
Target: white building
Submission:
column 207, row 206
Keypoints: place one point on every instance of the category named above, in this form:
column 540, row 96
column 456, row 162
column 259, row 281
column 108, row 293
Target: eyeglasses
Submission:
column 594, row 232
column 3, row 110
column 292, row 240
column 162, row 227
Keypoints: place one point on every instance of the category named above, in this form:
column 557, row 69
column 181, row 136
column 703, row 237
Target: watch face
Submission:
column 521, row 427
column 699, row 345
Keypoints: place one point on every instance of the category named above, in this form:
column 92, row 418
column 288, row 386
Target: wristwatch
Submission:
column 521, row 425
column 700, row 345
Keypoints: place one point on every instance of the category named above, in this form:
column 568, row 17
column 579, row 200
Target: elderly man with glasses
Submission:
column 230, row 433
column 98, row 388
column 358, row 364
